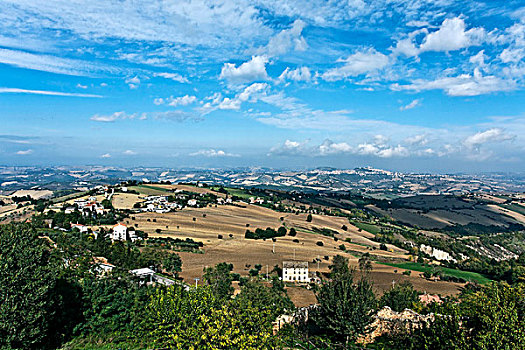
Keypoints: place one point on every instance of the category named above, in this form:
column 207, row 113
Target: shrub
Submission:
column 219, row 236
column 319, row 243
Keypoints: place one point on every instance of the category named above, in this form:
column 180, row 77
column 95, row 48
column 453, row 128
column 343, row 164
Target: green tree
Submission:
column 345, row 305
column 219, row 278
column 365, row 263
column 28, row 278
column 172, row 263
column 401, row 296
column 309, row 218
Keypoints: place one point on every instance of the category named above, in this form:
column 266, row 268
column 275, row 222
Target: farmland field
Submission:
column 466, row 275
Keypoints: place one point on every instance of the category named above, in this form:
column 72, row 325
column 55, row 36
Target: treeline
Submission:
column 265, row 234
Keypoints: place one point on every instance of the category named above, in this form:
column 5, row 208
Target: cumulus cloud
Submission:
column 176, row 101
column 129, row 152
column 248, row 94
column 362, row 62
column 212, row 153
column 411, row 105
column 328, row 147
column 494, row 135
column 252, row 70
column 298, row 74
column 289, row 148
column 105, row 155
column 451, row 35
column 24, row 152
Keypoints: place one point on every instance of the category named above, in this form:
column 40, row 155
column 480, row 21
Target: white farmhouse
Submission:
column 119, row 232
column 192, row 202
column 295, row 271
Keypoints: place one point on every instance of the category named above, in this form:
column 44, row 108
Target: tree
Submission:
column 292, row 232
column 219, row 278
column 309, row 218
column 401, row 296
column 281, row 231
column 172, row 263
column 365, row 263
column 28, row 277
column 345, row 305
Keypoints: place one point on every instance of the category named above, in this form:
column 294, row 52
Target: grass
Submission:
column 68, row 197
column 368, row 227
column 466, row 275
column 515, row 208
column 150, row 190
column 238, row 192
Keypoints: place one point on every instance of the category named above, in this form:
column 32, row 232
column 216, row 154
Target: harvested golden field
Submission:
column 124, row 200
column 244, row 254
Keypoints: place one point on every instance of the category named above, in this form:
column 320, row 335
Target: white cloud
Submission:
column 328, row 147
column 80, row 86
column 48, row 63
column 129, row 152
column 250, row 93
column 478, row 59
column 494, row 135
column 249, row 71
column 4, row 90
column 362, row 62
column 413, row 104
column 289, row 148
column 106, row 155
column 461, row 85
column 451, row 35
column 419, row 140
column 173, row 76
column 285, row 40
column 212, row 153
column 24, row 152
column 298, row 74
column 512, row 55
column 112, row 117
column 133, row 83
column 176, row 101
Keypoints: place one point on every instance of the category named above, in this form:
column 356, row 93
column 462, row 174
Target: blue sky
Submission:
column 407, row 85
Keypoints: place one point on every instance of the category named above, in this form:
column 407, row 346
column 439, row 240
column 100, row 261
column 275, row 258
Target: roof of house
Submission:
column 119, row 224
column 295, row 264
column 142, row 272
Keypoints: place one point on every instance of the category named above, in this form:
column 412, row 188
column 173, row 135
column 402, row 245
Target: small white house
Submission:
column 192, row 202
column 119, row 232
column 295, row 271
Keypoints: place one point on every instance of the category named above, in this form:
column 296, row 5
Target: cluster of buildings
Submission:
column 160, row 204
column 87, row 207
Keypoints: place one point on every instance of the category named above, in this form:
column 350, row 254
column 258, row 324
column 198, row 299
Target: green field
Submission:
column 514, row 207
column 68, row 197
column 466, row 275
column 150, row 190
column 367, row 227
